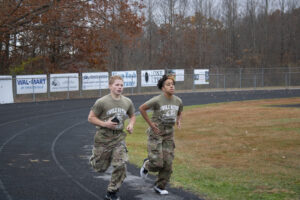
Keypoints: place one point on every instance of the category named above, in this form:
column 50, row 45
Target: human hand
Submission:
column 155, row 128
column 129, row 128
column 178, row 124
column 109, row 124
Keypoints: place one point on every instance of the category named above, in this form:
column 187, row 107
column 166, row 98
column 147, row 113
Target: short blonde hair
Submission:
column 113, row 78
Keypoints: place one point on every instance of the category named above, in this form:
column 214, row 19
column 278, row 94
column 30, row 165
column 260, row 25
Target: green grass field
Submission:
column 237, row 150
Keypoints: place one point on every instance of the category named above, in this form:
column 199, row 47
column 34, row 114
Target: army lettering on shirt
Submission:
column 168, row 114
column 165, row 110
column 107, row 107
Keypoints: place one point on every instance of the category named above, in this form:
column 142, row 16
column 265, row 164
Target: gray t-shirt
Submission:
column 107, row 107
column 165, row 110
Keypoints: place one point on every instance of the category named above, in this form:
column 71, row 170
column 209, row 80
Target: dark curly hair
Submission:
column 161, row 81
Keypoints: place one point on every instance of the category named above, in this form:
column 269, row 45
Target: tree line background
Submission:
column 42, row 36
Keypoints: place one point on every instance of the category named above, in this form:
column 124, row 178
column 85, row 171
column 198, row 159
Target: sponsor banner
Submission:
column 6, row 90
column 29, row 84
column 129, row 77
column 94, row 80
column 64, row 82
column 201, row 76
column 178, row 73
column 151, row 77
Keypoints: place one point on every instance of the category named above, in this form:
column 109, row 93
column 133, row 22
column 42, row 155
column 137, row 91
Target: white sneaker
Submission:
column 160, row 191
column 144, row 171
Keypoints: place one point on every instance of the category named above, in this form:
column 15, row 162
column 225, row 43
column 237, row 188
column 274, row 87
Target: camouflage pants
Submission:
column 160, row 155
column 103, row 157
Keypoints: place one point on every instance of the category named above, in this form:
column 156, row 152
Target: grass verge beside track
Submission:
column 237, row 150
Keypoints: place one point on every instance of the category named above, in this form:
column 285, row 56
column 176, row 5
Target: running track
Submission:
column 44, row 149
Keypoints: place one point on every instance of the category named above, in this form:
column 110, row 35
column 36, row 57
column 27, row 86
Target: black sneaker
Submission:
column 144, row 171
column 112, row 196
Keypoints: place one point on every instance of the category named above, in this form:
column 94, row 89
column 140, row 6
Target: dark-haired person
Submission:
column 108, row 114
column 167, row 109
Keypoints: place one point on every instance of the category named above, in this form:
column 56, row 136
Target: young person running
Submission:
column 167, row 109
column 108, row 114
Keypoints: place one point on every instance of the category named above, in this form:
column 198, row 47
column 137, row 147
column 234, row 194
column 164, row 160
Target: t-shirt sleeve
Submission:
column 97, row 108
column 131, row 109
column 151, row 103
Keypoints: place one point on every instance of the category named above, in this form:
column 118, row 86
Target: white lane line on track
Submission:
column 62, row 168
column 42, row 115
column 4, row 190
column 2, row 186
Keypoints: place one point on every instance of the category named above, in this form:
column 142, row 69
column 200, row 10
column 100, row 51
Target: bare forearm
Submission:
column 146, row 117
column 96, row 121
column 178, row 120
column 132, row 120
column 143, row 110
column 179, row 117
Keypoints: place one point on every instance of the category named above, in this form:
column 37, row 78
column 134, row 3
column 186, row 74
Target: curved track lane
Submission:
column 44, row 149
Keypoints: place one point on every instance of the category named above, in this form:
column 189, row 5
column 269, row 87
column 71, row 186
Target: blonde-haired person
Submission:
column 167, row 109
column 108, row 114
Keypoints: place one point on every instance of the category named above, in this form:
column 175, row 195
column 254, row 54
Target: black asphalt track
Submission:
column 44, row 149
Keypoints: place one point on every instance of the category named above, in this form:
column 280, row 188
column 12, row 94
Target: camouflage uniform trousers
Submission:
column 161, row 154
column 116, row 156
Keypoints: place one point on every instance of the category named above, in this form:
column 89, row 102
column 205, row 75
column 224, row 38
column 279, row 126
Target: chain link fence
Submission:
column 217, row 79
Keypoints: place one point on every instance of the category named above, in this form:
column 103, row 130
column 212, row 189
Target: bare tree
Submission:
column 230, row 20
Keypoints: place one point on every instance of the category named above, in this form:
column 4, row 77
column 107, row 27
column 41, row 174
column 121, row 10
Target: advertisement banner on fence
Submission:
column 129, row 77
column 151, row 77
column 94, row 80
column 178, row 73
column 64, row 82
column 31, row 84
column 201, row 76
column 6, row 90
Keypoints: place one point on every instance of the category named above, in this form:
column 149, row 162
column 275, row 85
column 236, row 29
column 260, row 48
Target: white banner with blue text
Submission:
column 129, row 77
column 31, row 84
column 94, row 80
column 64, row 82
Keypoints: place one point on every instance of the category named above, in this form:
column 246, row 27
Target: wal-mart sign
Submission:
column 29, row 84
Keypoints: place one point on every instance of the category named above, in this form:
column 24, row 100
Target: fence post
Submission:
column 262, row 77
column 218, row 85
column 48, row 85
column 224, row 81
column 80, row 83
column 33, row 94
column 138, row 80
column 14, row 86
column 99, row 85
column 68, row 96
column 290, row 76
column 240, row 78
column 194, row 76
column 254, row 81
column 286, row 79
column 132, row 85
